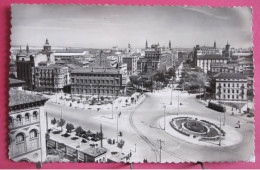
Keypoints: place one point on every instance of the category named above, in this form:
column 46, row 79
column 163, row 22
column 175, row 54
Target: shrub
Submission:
column 65, row 135
column 83, row 141
column 216, row 107
column 109, row 141
column 56, row 132
column 74, row 138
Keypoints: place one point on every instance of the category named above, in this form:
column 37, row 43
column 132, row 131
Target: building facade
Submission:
column 100, row 79
column 151, row 61
column 230, row 87
column 27, row 62
column 205, row 61
column 131, row 62
column 96, row 81
column 27, row 127
column 52, row 78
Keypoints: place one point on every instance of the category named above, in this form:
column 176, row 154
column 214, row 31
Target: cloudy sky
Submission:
column 107, row 26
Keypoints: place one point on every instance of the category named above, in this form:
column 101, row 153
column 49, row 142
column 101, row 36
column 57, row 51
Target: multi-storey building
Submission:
column 205, row 61
column 100, row 79
column 26, row 63
column 151, row 60
column 223, row 68
column 51, row 78
column 68, row 55
column 131, row 62
column 205, row 50
column 230, row 87
column 27, row 125
column 96, row 81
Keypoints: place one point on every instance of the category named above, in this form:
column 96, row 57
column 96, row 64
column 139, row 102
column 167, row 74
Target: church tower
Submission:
column 46, row 46
column 170, row 45
column 27, row 49
column 215, row 44
column 146, row 44
column 227, row 50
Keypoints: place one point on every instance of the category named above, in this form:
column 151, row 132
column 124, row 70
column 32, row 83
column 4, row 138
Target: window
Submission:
column 228, row 85
column 224, row 84
column 26, row 117
column 228, row 91
column 237, row 85
column 237, row 91
column 33, row 134
column 18, row 118
column 35, row 114
column 19, row 138
column 233, row 91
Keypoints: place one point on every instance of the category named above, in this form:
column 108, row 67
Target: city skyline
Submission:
column 102, row 27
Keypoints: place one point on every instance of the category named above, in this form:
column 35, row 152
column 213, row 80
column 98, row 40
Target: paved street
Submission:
column 139, row 124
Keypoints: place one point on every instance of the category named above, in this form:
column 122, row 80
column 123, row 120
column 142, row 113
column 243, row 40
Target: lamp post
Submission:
column 117, row 128
column 171, row 92
column 178, row 104
column 164, row 107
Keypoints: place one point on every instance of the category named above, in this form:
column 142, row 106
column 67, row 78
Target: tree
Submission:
column 120, row 144
column 79, row 130
column 53, row 121
column 69, row 127
column 102, row 98
column 61, row 123
column 134, row 79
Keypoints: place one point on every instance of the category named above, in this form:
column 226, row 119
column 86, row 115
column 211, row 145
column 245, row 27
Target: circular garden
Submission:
column 201, row 129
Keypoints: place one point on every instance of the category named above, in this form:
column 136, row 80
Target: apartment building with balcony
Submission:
column 230, row 87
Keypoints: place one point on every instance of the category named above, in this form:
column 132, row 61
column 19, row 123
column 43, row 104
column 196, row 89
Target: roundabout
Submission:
column 200, row 130
column 197, row 128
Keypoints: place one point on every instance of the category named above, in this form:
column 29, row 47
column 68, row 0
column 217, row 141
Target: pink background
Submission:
column 5, row 18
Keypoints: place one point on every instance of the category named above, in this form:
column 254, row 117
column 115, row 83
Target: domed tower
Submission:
column 46, row 46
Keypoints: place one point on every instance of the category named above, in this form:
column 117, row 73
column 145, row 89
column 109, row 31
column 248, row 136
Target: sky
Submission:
column 107, row 26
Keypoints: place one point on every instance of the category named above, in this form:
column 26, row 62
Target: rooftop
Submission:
column 110, row 70
column 212, row 57
column 52, row 66
column 15, row 81
column 18, row 97
column 95, row 152
column 229, row 76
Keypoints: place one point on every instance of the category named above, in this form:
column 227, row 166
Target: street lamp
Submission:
column 164, row 107
column 171, row 92
column 220, row 119
column 117, row 128
column 178, row 103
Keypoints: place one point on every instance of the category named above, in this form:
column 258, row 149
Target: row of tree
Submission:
column 154, row 80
